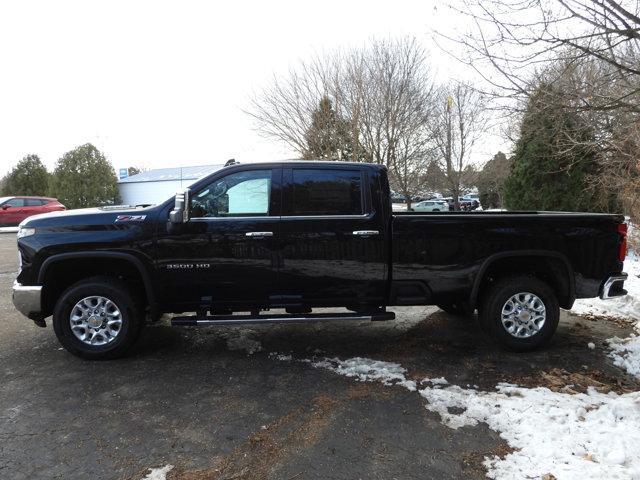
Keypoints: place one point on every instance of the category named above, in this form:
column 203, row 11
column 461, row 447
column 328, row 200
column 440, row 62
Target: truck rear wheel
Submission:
column 521, row 312
column 97, row 319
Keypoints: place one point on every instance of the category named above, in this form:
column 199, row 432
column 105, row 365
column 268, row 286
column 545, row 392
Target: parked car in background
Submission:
column 14, row 210
column 468, row 203
column 431, row 206
column 398, row 198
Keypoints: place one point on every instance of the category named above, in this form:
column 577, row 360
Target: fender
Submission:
column 136, row 262
column 522, row 253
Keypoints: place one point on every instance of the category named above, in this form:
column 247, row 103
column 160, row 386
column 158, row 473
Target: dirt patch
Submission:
column 472, row 462
column 360, row 391
column 622, row 322
column 265, row 450
column 560, row 380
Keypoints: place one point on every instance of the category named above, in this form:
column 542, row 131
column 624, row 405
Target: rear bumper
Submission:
column 613, row 287
column 27, row 299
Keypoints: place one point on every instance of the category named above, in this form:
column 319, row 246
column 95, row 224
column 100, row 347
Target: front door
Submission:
column 333, row 243
column 225, row 255
column 12, row 212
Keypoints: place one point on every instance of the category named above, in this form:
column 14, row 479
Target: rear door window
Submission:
column 33, row 202
column 325, row 192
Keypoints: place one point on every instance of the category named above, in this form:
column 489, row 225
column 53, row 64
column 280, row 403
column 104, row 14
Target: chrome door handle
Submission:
column 259, row 234
column 365, row 233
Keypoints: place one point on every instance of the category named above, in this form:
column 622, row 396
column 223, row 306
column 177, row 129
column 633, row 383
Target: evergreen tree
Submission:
column 547, row 173
column 434, row 179
column 83, row 177
column 28, row 177
column 491, row 180
column 131, row 171
column 328, row 137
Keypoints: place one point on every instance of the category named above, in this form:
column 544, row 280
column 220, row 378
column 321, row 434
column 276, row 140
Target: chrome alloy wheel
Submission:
column 95, row 320
column 523, row 315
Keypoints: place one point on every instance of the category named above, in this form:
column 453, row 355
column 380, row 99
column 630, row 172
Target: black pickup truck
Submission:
column 251, row 240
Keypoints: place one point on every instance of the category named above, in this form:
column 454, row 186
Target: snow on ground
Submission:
column 367, row 370
column 158, row 473
column 625, row 352
column 627, row 306
column 8, row 229
column 590, row 435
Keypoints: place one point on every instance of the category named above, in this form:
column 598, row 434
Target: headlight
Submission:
column 25, row 232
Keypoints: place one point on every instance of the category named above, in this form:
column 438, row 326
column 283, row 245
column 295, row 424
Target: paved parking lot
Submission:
column 218, row 403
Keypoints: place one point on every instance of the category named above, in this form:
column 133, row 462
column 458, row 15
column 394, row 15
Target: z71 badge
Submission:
column 130, row 218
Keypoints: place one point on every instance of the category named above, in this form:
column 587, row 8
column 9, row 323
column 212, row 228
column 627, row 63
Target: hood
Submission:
column 75, row 219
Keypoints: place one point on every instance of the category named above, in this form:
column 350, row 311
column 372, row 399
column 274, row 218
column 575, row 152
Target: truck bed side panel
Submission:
column 447, row 252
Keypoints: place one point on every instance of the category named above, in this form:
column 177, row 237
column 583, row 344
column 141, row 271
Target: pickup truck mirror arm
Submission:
column 180, row 212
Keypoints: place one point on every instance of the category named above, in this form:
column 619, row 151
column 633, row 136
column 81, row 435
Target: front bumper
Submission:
column 27, row 299
column 613, row 287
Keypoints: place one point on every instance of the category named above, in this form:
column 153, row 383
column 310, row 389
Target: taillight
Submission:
column 622, row 252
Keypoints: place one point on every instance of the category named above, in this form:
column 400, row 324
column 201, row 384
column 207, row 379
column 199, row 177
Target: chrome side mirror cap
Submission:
column 180, row 212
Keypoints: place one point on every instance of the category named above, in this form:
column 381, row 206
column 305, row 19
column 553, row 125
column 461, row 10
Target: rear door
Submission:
column 332, row 239
column 33, row 206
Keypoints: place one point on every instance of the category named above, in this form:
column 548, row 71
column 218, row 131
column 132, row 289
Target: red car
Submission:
column 15, row 209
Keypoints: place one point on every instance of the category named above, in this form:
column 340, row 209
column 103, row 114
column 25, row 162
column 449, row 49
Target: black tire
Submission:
column 436, row 210
column 496, row 297
column 113, row 289
column 456, row 309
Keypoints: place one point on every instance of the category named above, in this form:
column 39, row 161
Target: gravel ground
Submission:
column 217, row 404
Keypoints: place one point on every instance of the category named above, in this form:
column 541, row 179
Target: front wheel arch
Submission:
column 116, row 291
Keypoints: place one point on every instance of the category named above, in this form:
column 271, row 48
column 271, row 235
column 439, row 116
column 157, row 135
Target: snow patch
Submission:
column 435, row 381
column 367, row 370
column 625, row 352
column 592, row 435
column 158, row 473
column 8, row 229
column 626, row 306
column 281, row 357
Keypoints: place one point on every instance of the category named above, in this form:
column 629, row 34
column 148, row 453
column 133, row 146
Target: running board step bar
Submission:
column 275, row 318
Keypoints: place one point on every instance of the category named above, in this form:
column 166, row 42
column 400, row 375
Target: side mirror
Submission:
column 4, row 207
column 180, row 212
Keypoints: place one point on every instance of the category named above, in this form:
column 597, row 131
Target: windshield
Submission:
column 4, row 199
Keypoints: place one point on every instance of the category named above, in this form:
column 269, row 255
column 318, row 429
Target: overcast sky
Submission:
column 157, row 84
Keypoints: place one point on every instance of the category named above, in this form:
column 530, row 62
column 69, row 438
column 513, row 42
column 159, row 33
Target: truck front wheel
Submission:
column 521, row 312
column 97, row 318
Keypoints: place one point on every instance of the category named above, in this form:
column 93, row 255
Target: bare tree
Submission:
column 384, row 92
column 459, row 124
column 589, row 50
column 510, row 39
column 284, row 110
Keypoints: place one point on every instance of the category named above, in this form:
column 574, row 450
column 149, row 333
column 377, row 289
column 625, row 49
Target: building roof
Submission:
column 172, row 174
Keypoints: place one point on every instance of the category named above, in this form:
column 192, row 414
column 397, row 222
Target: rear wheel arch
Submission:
column 551, row 267
column 58, row 272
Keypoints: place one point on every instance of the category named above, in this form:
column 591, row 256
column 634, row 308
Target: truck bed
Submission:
column 440, row 255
